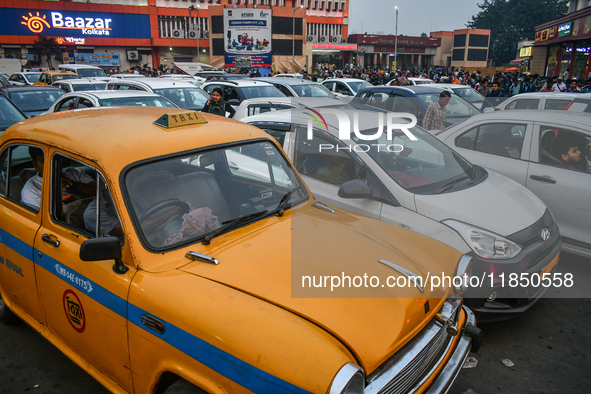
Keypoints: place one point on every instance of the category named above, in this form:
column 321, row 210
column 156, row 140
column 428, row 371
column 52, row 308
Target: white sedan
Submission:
column 538, row 150
column 109, row 98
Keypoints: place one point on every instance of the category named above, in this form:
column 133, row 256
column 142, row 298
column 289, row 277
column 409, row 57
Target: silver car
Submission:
column 538, row 100
column 526, row 146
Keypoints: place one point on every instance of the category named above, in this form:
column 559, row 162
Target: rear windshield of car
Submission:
column 312, row 90
column 260, row 91
column 136, row 101
column 469, row 94
column 35, row 100
column 91, row 72
column 33, row 77
column 357, row 86
column 456, row 108
column 422, row 166
column 65, row 76
column 9, row 115
column 90, row 86
column 188, row 98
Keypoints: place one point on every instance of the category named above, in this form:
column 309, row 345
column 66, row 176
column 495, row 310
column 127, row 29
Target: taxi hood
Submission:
column 498, row 204
column 269, row 260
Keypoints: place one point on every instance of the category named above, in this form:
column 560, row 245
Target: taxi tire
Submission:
column 6, row 315
column 181, row 386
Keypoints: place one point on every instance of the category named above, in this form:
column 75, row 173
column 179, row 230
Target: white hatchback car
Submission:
column 425, row 186
column 77, row 85
column 526, row 147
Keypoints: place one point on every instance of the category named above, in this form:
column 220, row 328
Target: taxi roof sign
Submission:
column 180, row 119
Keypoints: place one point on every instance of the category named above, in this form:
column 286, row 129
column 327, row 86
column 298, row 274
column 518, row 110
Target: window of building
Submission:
column 460, row 40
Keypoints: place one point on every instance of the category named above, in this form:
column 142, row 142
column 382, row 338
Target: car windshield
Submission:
column 182, row 200
column 260, row 91
column 310, row 90
column 33, row 77
column 91, row 72
column 188, row 98
column 456, row 108
column 136, row 101
column 357, row 86
column 89, row 86
column 9, row 115
column 469, row 94
column 64, row 76
column 424, row 166
column 35, row 100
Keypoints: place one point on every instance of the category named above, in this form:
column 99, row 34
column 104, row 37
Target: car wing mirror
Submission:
column 103, row 248
column 234, row 102
column 355, row 189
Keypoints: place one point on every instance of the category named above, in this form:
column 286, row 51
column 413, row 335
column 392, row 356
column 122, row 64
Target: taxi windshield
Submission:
column 424, row 166
column 186, row 199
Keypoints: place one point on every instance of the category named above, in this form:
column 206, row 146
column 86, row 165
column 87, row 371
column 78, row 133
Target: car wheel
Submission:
column 6, row 315
column 181, row 386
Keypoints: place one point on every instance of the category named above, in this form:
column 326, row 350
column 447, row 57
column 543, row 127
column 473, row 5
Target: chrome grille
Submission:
column 413, row 364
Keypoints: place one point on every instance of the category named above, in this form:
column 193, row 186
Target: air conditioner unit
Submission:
column 344, row 40
column 323, row 40
column 178, row 33
column 134, row 56
column 311, row 39
column 192, row 34
column 206, row 35
column 335, row 39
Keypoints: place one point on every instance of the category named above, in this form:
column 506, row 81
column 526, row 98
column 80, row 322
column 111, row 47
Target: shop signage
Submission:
column 565, row 29
column 70, row 41
column 525, row 52
column 58, row 23
column 538, row 36
column 345, row 47
column 95, row 59
column 247, row 34
column 553, row 32
column 545, row 34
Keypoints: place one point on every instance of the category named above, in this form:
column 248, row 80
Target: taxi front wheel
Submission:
column 6, row 315
column 181, row 386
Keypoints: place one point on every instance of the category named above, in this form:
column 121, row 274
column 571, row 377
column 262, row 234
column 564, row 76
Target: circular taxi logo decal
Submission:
column 74, row 311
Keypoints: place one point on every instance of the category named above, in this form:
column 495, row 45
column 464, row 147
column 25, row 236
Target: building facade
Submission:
column 122, row 34
column 563, row 45
column 466, row 48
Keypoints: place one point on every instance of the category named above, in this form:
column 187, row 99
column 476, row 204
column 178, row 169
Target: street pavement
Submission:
column 549, row 345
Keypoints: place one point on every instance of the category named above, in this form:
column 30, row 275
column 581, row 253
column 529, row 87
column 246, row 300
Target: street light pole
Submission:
column 293, row 41
column 198, row 31
column 396, row 42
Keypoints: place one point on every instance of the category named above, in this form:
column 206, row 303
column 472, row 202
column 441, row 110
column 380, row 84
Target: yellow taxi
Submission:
column 166, row 251
column 51, row 76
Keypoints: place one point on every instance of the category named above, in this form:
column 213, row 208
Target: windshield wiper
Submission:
column 450, row 185
column 284, row 202
column 230, row 224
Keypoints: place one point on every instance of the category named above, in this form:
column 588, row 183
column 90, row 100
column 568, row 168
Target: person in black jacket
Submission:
column 217, row 106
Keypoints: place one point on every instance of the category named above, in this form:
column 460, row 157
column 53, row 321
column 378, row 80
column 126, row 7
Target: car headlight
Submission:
column 349, row 380
column 484, row 243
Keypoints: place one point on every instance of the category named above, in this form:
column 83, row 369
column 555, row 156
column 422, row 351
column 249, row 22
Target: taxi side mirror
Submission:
column 355, row 189
column 103, row 248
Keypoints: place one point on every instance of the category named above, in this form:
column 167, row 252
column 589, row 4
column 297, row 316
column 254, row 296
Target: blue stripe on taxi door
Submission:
column 222, row 362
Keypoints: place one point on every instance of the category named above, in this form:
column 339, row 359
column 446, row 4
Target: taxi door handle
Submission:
column 544, row 178
column 46, row 238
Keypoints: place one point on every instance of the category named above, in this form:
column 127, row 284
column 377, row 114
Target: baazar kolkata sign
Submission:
column 18, row 21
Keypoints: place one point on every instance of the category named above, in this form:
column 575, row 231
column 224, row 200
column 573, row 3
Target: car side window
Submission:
column 21, row 174
column 319, row 158
column 260, row 108
column 556, row 104
column 565, row 148
column 276, row 131
column 329, row 85
column 230, row 93
column 81, row 199
column 405, row 105
column 377, row 99
column 66, row 105
column 501, row 139
column 524, row 104
column 84, row 103
column 13, row 77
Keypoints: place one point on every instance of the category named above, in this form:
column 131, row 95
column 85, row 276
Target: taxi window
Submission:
column 81, row 199
column 524, row 104
column 501, row 139
column 21, row 175
column 565, row 148
column 556, row 104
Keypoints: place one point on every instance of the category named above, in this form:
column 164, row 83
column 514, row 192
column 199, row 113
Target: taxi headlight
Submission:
column 349, row 380
column 484, row 243
column 464, row 268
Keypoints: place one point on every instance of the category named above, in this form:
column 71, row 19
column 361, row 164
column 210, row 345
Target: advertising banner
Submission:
column 94, row 59
column 247, row 34
column 29, row 22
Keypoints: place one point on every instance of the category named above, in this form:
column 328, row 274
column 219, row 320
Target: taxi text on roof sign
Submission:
column 180, row 119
